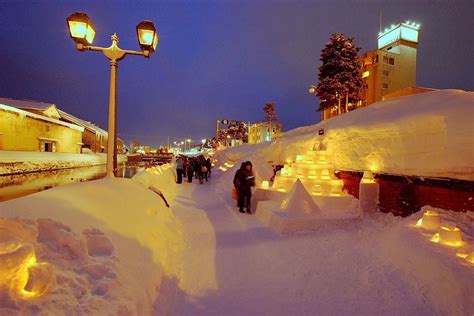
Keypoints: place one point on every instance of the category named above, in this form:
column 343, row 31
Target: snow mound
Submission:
column 299, row 201
column 112, row 244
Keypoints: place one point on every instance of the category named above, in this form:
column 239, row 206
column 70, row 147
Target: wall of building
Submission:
column 403, row 196
column 22, row 133
column 260, row 132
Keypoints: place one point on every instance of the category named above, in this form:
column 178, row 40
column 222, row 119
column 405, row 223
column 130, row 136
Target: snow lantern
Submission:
column 336, row 190
column 20, row 274
column 467, row 255
column 265, row 184
column 448, row 235
column 316, row 190
column 430, row 220
column 299, row 172
column 368, row 177
column 325, row 174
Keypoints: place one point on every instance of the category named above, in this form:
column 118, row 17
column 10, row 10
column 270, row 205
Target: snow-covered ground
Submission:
column 201, row 257
column 25, row 161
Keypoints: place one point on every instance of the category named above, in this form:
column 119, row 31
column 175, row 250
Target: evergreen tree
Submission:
column 270, row 115
column 340, row 73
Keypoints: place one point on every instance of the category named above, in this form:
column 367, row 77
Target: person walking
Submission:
column 190, row 171
column 203, row 167
column 244, row 180
column 179, row 170
column 209, row 166
column 198, row 169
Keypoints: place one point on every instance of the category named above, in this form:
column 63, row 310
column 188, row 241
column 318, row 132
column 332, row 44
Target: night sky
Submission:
column 216, row 59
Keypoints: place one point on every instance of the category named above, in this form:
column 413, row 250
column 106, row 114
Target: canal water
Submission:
column 14, row 186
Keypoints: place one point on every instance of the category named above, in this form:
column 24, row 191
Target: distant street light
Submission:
column 312, row 89
column 83, row 33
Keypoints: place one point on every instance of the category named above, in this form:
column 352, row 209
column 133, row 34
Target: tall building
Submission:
column 388, row 71
column 392, row 66
column 260, row 132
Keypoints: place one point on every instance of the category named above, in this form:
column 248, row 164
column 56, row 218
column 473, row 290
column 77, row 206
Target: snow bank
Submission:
column 111, row 242
column 427, row 135
column 23, row 161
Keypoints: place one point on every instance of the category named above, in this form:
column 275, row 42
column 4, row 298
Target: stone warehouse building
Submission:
column 28, row 131
column 44, row 130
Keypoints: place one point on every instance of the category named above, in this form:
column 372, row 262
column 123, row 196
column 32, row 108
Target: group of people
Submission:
column 244, row 180
column 193, row 167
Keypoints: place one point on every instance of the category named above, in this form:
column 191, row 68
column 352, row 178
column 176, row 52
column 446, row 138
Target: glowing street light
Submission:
column 312, row 89
column 82, row 32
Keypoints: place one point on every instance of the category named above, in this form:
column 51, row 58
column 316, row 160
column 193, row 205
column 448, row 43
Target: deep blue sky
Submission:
column 216, row 59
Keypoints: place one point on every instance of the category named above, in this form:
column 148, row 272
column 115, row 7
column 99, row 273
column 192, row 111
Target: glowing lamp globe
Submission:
column 147, row 37
column 312, row 89
column 430, row 220
column 451, row 236
column 80, row 28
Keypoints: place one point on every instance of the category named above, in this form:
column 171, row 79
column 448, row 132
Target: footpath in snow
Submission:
column 240, row 267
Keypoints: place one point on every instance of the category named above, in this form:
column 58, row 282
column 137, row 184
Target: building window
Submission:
column 385, row 73
column 48, row 128
column 388, row 60
column 384, row 85
column 273, row 130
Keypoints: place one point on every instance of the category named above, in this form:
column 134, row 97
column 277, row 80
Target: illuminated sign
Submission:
column 405, row 31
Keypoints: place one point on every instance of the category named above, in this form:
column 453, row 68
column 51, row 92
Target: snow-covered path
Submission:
column 233, row 265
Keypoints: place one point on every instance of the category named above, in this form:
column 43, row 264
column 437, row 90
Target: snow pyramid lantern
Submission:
column 430, row 220
column 299, row 201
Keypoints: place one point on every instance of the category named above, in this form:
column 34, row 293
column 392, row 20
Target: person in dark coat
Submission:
column 179, row 169
column 209, row 166
column 244, row 180
column 198, row 169
column 190, row 171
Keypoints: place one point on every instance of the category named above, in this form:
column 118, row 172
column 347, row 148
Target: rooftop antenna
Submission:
column 380, row 21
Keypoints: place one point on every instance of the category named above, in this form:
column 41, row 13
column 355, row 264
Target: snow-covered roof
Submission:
column 27, row 104
column 39, row 116
column 88, row 125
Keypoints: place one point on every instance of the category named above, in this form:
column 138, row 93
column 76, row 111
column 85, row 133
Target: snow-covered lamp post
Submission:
column 83, row 33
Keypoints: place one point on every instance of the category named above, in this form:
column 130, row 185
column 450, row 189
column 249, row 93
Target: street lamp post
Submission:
column 83, row 33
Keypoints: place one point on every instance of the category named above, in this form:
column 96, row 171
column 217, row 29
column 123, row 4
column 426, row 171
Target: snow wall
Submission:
column 425, row 135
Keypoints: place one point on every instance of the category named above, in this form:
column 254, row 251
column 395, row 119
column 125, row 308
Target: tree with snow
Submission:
column 339, row 75
column 270, row 115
